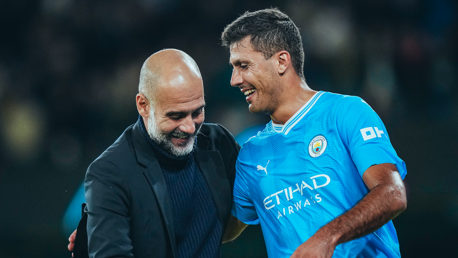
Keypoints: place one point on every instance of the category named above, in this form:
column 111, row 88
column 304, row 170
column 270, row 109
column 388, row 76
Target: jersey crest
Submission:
column 317, row 146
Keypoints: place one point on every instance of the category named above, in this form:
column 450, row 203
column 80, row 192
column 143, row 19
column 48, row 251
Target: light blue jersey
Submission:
column 295, row 178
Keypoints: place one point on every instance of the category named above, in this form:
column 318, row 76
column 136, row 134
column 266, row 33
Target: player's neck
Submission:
column 296, row 97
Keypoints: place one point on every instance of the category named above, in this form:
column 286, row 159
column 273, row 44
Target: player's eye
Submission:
column 197, row 112
column 175, row 116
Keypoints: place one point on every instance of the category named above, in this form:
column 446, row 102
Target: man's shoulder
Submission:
column 343, row 105
column 214, row 132
column 337, row 99
column 342, row 99
column 216, row 137
column 118, row 152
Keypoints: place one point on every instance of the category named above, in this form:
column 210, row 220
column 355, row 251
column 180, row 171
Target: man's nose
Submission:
column 236, row 78
column 188, row 125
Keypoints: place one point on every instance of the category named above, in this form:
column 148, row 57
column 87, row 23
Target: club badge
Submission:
column 317, row 146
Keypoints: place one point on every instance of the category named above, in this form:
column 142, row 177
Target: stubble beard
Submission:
column 263, row 106
column 164, row 139
column 268, row 99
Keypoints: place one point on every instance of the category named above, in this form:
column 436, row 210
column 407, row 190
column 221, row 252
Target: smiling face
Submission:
column 171, row 100
column 176, row 117
column 256, row 77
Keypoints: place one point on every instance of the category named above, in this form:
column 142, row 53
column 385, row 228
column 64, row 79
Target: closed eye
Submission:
column 239, row 64
column 198, row 112
column 176, row 115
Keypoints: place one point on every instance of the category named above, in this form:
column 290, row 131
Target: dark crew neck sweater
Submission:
column 198, row 230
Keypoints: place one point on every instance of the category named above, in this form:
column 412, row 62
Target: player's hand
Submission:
column 71, row 239
column 315, row 248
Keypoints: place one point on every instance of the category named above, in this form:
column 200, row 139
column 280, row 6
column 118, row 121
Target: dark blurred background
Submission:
column 69, row 74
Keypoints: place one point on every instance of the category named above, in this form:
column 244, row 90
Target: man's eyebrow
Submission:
column 201, row 107
column 175, row 113
column 234, row 63
column 180, row 113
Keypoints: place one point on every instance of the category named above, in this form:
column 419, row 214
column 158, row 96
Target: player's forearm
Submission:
column 382, row 204
column 233, row 230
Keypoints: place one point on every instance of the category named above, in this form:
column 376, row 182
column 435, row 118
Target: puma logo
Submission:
column 263, row 168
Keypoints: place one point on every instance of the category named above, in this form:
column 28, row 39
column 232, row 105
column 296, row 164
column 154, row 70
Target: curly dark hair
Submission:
column 271, row 31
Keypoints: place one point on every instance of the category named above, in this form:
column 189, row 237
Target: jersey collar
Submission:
column 285, row 128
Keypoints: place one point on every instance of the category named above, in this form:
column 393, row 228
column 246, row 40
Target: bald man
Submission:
column 164, row 188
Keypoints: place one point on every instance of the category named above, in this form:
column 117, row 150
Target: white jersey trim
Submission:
column 297, row 116
column 302, row 112
column 277, row 127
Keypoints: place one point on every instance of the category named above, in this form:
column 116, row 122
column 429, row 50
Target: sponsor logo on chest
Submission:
column 273, row 201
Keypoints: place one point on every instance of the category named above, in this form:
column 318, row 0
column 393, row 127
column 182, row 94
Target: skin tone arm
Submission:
column 233, row 230
column 385, row 200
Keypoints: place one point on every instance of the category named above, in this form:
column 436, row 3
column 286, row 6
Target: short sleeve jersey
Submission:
column 295, row 178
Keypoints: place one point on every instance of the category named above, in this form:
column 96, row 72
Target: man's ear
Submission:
column 284, row 61
column 142, row 105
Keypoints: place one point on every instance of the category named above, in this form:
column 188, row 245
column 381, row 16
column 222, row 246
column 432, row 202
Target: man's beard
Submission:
column 164, row 139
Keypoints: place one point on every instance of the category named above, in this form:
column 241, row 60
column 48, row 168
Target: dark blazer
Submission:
column 129, row 210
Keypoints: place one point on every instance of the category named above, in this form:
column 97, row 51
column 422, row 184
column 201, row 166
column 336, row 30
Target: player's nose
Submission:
column 188, row 125
column 236, row 78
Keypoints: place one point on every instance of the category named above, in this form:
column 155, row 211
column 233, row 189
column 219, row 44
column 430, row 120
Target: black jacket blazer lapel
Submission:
column 213, row 169
column 153, row 173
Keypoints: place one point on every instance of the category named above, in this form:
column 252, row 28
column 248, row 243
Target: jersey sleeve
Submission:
column 243, row 207
column 365, row 135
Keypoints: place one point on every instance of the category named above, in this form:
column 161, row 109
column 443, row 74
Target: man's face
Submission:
column 256, row 77
column 175, row 119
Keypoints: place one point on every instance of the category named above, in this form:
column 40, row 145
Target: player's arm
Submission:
column 385, row 200
column 355, row 122
column 234, row 229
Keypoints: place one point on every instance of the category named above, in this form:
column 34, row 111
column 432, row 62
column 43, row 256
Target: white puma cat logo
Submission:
column 263, row 168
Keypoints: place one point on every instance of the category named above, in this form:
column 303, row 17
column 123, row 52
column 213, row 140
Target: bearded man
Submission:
column 164, row 188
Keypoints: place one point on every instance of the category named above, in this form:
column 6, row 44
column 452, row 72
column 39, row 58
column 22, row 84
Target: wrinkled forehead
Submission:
column 186, row 94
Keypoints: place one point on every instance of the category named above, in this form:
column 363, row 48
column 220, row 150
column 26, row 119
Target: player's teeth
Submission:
column 248, row 92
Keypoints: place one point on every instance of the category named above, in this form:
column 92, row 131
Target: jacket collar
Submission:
column 210, row 163
column 212, row 167
column 153, row 173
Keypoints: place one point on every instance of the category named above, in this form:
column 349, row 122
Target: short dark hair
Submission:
column 271, row 31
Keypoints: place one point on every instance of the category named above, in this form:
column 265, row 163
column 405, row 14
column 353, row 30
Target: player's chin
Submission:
column 252, row 107
column 255, row 109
